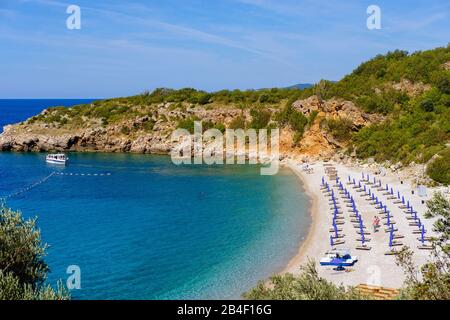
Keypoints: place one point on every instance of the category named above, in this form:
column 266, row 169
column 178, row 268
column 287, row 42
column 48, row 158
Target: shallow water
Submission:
column 153, row 230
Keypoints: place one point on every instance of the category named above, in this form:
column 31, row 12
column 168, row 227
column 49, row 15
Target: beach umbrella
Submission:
column 403, row 199
column 391, row 235
column 374, row 180
column 354, row 182
column 415, row 215
column 373, row 196
column 323, row 180
column 364, row 188
column 407, row 205
column 398, row 194
column 362, row 173
column 335, row 230
column 392, row 191
column 349, row 179
column 419, row 223
column 359, row 184
column 423, row 235
column 376, row 200
column 368, row 177
column 385, row 208
column 331, row 241
column 388, row 218
column 363, row 239
column 370, row 193
column 387, row 187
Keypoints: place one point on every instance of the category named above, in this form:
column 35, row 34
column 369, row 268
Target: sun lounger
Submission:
column 363, row 247
column 357, row 226
column 425, row 247
column 332, row 230
column 397, row 243
column 391, row 252
column 338, row 242
column 365, row 232
column 365, row 239
column 389, row 230
column 398, row 236
column 340, row 222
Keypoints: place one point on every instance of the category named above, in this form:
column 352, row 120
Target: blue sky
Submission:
column 126, row 47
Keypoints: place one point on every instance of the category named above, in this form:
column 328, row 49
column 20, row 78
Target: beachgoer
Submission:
column 375, row 224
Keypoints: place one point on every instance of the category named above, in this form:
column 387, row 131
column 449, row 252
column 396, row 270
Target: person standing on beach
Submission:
column 375, row 223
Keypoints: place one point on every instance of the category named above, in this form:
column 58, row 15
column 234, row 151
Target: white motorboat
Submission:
column 58, row 158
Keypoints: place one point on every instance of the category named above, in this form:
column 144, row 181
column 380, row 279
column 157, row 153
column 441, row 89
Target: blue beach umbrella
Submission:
column 362, row 173
column 323, row 180
column 331, row 241
column 423, row 235
column 388, row 218
column 335, row 231
column 354, row 182
column 385, row 208
column 368, row 177
column 363, row 239
column 364, row 188
column 398, row 194
column 403, row 199
column 370, row 192
column 391, row 235
column 407, row 205
column 349, row 179
column 387, row 187
column 374, row 180
column 392, row 191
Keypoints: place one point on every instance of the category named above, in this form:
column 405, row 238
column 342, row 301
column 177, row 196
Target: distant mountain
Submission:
column 301, row 86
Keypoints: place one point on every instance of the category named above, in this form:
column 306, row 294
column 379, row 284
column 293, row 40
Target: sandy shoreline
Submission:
column 373, row 267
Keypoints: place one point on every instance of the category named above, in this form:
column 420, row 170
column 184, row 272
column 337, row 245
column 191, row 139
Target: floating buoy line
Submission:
column 54, row 173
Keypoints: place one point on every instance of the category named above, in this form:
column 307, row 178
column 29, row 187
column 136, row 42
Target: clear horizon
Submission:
column 124, row 49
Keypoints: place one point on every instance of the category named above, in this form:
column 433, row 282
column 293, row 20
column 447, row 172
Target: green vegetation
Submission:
column 439, row 169
column 296, row 120
column 339, row 128
column 23, row 270
column 260, row 118
column 432, row 280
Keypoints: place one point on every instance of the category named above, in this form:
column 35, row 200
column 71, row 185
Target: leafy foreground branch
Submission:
column 429, row 282
column 23, row 270
column 307, row 286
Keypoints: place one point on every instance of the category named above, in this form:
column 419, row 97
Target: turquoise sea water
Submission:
column 153, row 230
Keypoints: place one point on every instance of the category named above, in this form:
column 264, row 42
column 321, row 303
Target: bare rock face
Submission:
column 412, row 89
column 446, row 66
column 336, row 108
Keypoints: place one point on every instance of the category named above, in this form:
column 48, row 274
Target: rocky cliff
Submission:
column 132, row 133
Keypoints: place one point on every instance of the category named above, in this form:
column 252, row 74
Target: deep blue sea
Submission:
column 153, row 230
